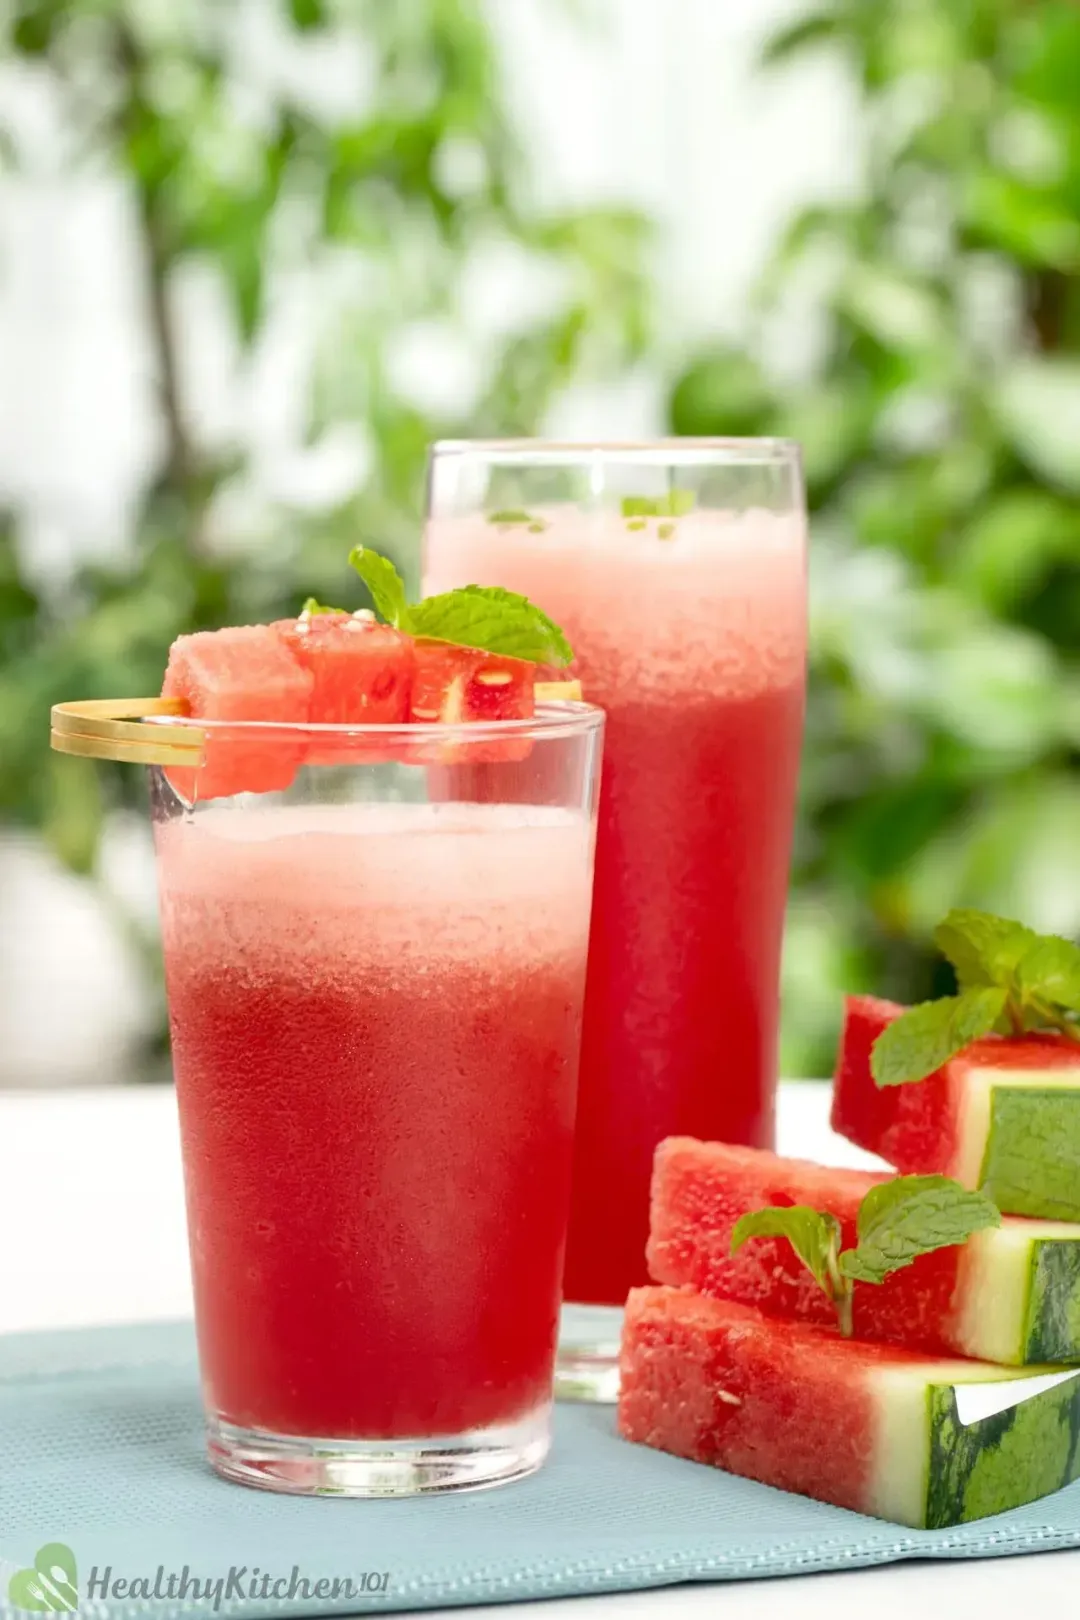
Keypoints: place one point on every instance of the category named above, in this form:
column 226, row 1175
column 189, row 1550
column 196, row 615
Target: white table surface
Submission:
column 92, row 1231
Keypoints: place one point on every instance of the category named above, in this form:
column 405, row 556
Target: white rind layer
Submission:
column 976, row 1098
column 993, row 1287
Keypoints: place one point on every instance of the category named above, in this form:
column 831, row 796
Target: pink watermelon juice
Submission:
column 375, row 1015
column 693, row 642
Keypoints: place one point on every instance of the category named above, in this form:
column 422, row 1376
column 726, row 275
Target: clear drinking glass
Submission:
column 677, row 569
column 375, row 980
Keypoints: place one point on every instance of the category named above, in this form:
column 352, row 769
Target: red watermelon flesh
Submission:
column 946, row 1123
column 362, row 674
column 865, row 1426
column 244, row 673
column 461, row 685
column 976, row 1299
column 362, row 671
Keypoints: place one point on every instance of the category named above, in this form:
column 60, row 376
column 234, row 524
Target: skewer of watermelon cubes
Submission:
column 438, row 662
column 891, row 1344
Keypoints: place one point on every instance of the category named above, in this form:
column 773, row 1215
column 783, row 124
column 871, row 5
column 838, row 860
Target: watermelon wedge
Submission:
column 1010, row 1294
column 1003, row 1116
column 882, row 1431
column 246, row 673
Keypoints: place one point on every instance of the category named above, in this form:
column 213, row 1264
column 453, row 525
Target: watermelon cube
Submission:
column 1004, row 1115
column 461, row 685
column 361, row 671
column 1010, row 1294
column 246, row 673
column 920, row 1441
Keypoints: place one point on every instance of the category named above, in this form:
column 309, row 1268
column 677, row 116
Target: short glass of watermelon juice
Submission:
column 375, row 977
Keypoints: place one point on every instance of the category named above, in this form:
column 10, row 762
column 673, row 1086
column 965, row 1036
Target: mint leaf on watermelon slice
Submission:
column 1012, row 981
column 917, row 1043
column 385, row 584
column 897, row 1221
column 812, row 1233
column 984, row 949
column 901, row 1219
column 312, row 609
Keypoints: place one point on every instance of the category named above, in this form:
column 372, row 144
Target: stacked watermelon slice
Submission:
column 958, row 1393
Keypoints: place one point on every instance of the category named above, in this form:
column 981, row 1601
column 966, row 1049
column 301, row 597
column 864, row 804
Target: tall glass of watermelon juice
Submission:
column 375, row 987
column 677, row 570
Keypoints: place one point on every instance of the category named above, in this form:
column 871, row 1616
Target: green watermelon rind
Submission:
column 999, row 1462
column 1030, row 1163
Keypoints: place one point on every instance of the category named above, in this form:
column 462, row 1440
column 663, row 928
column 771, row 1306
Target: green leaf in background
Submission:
column 984, row 949
column 498, row 621
column 385, row 584
column 901, row 1219
column 1038, row 404
column 813, row 1234
column 916, row 1044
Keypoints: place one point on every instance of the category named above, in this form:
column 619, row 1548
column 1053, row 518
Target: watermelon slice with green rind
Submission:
column 921, row 1441
column 1003, row 1116
column 1010, row 1294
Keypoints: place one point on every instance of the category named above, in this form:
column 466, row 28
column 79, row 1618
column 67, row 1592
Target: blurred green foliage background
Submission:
column 938, row 405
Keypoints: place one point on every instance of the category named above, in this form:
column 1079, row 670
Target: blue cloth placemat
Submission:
column 101, row 1449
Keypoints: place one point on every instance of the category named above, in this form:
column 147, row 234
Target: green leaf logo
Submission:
column 51, row 1586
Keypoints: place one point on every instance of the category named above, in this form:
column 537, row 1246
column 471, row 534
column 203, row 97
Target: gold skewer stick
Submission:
column 117, row 728
column 127, row 753
column 558, row 691
column 124, row 718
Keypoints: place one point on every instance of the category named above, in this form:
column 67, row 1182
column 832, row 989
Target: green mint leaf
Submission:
column 511, row 514
column 923, row 1038
column 494, row 620
column 1050, row 971
column 311, row 608
column 911, row 1215
column 983, row 949
column 676, row 503
column 385, row 584
column 813, row 1235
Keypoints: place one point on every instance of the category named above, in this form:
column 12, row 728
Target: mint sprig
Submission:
column 897, row 1221
column 313, row 608
column 1011, row 981
column 482, row 616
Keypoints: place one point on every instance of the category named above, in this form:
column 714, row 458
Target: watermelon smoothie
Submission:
column 691, row 635
column 375, row 1013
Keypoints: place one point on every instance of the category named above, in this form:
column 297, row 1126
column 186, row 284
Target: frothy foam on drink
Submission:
column 716, row 609
column 336, row 890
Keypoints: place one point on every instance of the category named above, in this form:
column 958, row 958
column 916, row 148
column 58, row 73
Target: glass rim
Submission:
column 662, row 451
column 553, row 718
